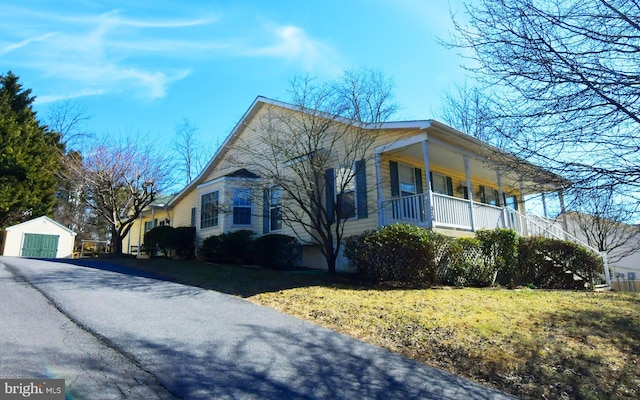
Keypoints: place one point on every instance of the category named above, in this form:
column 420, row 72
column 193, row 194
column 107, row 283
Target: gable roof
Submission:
column 242, row 173
column 35, row 220
column 419, row 125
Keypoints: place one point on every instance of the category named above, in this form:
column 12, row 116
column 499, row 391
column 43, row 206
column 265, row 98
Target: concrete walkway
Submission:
column 201, row 344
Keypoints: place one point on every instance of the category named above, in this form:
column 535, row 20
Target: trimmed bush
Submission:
column 276, row 251
column 183, row 241
column 211, row 249
column 500, row 251
column 228, row 248
column 157, row 240
column 555, row 264
column 399, row 252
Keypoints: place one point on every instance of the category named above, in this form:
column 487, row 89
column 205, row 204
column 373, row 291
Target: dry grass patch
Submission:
column 534, row 344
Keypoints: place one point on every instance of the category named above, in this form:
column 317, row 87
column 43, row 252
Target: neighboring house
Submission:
column 620, row 241
column 156, row 214
column 40, row 237
column 423, row 172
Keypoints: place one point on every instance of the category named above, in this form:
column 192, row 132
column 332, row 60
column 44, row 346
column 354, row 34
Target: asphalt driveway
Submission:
column 201, row 344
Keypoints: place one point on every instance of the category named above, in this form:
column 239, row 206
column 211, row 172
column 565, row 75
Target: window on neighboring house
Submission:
column 275, row 209
column 165, row 222
column 346, row 192
column 241, row 206
column 209, row 210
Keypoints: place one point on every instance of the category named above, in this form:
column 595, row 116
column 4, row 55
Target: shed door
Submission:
column 43, row 246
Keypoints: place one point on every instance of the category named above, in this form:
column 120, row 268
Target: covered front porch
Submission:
column 441, row 178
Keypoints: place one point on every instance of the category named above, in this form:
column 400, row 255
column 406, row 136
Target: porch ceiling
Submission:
column 446, row 157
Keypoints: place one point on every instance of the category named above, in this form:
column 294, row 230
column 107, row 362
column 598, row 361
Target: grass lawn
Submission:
column 531, row 343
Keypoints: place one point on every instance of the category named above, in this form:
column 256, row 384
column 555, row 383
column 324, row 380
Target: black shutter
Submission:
column 483, row 198
column 449, row 186
column 330, row 187
column 266, row 217
column 419, row 188
column 361, row 189
column 395, row 180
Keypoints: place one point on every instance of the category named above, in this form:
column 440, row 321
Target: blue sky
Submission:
column 141, row 67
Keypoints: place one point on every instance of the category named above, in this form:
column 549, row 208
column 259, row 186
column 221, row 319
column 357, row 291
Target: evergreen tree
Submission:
column 30, row 156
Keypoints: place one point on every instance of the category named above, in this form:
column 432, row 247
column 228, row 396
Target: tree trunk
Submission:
column 331, row 258
column 116, row 242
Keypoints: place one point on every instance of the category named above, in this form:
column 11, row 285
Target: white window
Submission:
column 275, row 209
column 209, row 210
column 241, row 206
column 346, row 192
column 407, row 180
column 439, row 183
column 149, row 225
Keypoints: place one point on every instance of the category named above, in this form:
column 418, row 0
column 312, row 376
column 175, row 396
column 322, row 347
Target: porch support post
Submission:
column 467, row 172
column 522, row 210
column 139, row 237
column 607, row 274
column 379, row 190
column 544, row 206
column 501, row 199
column 563, row 211
column 428, row 201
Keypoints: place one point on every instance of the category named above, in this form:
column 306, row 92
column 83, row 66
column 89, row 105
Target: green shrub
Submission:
column 182, row 241
column 500, row 251
column 228, row 248
column 211, row 249
column 276, row 251
column 400, row 252
column 555, row 264
column 157, row 241
column 468, row 264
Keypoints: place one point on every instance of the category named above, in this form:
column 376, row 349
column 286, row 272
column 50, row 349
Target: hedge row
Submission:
column 166, row 240
column 406, row 253
column 270, row 251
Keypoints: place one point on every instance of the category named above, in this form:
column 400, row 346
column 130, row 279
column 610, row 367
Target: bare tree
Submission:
column 68, row 119
column 118, row 180
column 191, row 152
column 567, row 73
column 316, row 153
column 606, row 222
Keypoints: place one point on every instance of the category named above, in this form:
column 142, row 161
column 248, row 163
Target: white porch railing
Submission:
column 453, row 212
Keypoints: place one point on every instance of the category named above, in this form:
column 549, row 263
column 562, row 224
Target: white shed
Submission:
column 40, row 237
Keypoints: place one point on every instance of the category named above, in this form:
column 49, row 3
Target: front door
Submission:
column 41, row 246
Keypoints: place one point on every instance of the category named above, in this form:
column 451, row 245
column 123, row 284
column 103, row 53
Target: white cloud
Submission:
column 107, row 53
column 292, row 43
column 15, row 46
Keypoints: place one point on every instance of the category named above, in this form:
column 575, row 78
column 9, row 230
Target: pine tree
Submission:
column 30, row 156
